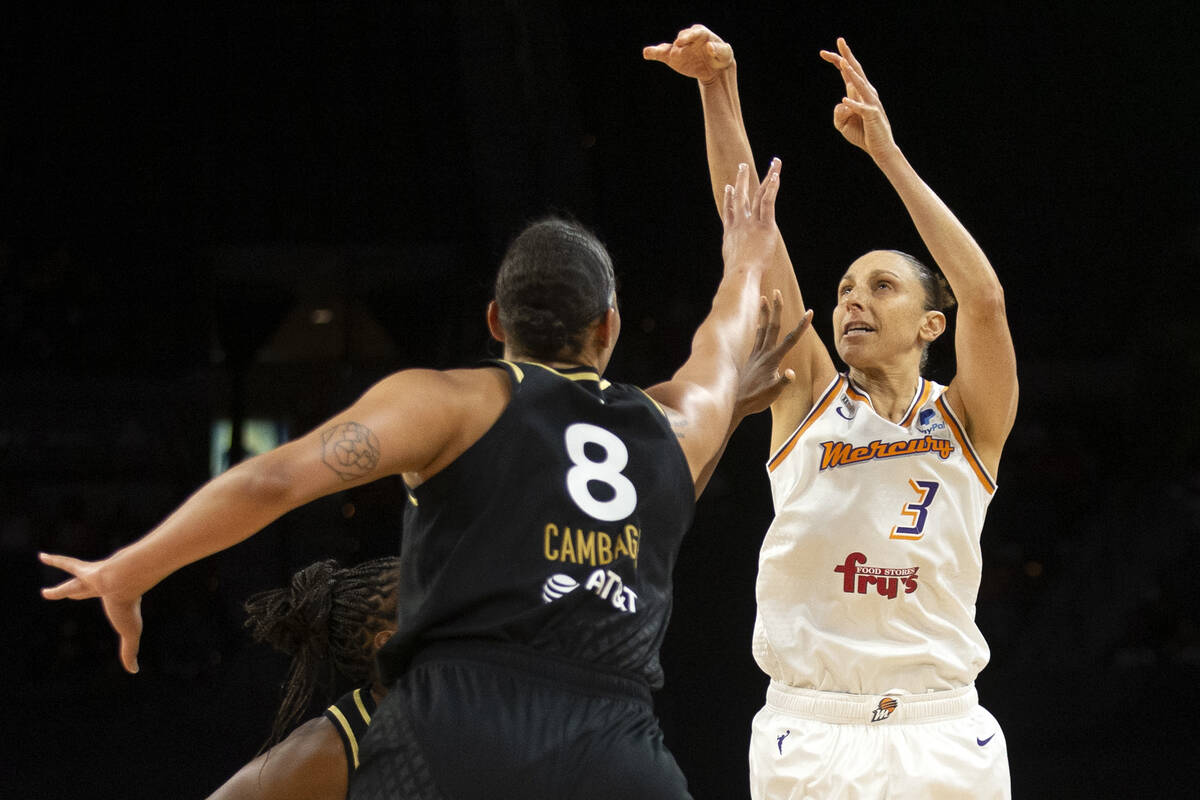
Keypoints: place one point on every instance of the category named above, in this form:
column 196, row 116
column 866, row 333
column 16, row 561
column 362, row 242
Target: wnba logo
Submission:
column 884, row 710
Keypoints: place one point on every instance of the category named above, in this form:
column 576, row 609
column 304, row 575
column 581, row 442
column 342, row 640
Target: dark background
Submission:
column 183, row 185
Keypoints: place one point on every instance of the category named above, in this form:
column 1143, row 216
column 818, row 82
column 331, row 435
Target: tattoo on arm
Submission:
column 679, row 424
column 349, row 449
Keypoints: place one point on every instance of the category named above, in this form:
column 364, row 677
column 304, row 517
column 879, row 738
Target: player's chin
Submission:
column 852, row 353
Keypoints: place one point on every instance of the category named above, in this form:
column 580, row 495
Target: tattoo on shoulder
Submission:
column 679, row 423
column 349, row 449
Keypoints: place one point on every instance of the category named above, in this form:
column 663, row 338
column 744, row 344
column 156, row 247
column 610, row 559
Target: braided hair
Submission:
column 326, row 621
column 555, row 280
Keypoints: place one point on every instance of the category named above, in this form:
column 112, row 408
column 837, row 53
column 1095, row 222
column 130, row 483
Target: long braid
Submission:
column 326, row 619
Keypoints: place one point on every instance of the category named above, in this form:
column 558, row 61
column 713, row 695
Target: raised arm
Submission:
column 699, row 53
column 984, row 390
column 411, row 422
column 762, row 378
column 701, row 396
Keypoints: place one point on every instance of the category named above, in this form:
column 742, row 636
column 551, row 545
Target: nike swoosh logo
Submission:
column 982, row 742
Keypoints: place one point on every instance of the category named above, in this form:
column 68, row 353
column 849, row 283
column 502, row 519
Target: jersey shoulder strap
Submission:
column 350, row 715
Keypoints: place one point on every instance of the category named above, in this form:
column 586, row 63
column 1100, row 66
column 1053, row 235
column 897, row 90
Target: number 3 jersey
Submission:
column 558, row 529
column 869, row 572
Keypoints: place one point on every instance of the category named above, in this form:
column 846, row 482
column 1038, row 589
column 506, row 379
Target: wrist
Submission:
column 722, row 78
column 133, row 570
column 889, row 157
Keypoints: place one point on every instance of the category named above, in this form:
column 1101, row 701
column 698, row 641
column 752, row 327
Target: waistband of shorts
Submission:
column 561, row 672
column 892, row 708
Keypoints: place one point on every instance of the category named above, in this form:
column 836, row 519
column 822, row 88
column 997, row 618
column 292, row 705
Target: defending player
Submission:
column 547, row 508
column 329, row 619
column 881, row 480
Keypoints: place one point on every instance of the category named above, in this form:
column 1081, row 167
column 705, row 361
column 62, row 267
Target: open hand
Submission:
column 859, row 116
column 92, row 579
column 762, row 382
column 696, row 53
column 751, row 235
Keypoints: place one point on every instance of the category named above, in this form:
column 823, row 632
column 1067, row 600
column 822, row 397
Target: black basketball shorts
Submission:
column 487, row 721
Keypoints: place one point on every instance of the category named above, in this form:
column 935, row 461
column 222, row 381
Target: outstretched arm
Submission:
column 761, row 380
column 412, row 421
column 310, row 764
column 701, row 396
column 984, row 391
column 699, row 53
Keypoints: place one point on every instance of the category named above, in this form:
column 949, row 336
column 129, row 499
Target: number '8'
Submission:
column 606, row 471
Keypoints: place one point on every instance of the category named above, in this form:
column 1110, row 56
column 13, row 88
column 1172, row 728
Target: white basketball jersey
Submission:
column 868, row 575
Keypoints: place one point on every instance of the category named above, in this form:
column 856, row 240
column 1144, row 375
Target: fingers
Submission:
column 742, row 190
column 852, row 107
column 852, row 72
column 768, row 190
column 73, row 588
column 739, row 201
column 768, row 331
column 727, row 210
column 764, row 323
column 793, row 336
column 126, row 620
column 801, row 326
column 840, row 63
column 656, row 52
column 720, row 53
column 844, row 49
column 857, row 82
column 65, row 563
column 776, row 313
column 695, row 34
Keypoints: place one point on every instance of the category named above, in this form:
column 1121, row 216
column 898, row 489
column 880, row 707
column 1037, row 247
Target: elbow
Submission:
column 987, row 303
column 264, row 481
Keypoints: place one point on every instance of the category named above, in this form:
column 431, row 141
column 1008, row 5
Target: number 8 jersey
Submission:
column 558, row 529
column 869, row 572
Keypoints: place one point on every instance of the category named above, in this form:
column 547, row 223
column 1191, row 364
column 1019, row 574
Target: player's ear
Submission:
column 933, row 325
column 609, row 328
column 380, row 638
column 493, row 322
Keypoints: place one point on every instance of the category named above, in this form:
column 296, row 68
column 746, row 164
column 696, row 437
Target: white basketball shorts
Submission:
column 809, row 744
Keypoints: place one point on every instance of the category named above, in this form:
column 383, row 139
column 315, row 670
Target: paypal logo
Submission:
column 926, row 422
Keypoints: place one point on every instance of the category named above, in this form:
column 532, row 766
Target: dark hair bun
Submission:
column 296, row 619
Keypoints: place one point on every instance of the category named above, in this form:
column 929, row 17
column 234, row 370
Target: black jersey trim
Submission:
column 346, row 725
column 517, row 373
column 583, row 374
column 657, row 404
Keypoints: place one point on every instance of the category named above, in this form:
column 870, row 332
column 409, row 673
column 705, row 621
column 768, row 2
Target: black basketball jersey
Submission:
column 558, row 529
column 350, row 715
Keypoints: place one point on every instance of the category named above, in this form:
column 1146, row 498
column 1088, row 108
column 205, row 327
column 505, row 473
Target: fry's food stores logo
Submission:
column 857, row 575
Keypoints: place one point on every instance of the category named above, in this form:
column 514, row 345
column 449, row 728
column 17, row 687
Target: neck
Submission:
column 562, row 362
column 891, row 390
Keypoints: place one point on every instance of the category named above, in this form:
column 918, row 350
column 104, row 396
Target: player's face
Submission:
column 879, row 312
